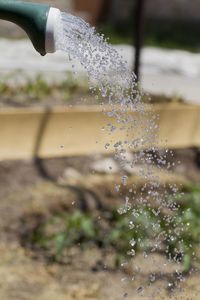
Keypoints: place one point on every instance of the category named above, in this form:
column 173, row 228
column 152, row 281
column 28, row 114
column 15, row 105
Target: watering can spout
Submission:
column 37, row 20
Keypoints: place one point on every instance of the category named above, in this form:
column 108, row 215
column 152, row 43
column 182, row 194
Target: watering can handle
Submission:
column 31, row 17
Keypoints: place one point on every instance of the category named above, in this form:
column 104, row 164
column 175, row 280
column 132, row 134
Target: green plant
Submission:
column 188, row 221
column 63, row 231
column 39, row 90
column 135, row 231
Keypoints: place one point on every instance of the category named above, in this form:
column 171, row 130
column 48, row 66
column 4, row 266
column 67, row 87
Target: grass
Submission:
column 129, row 233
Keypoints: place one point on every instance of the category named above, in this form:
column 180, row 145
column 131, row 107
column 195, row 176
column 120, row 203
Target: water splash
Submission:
column 108, row 75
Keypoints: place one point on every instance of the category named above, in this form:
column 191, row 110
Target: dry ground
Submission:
column 87, row 274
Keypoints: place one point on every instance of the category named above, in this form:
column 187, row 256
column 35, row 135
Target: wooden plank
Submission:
column 62, row 131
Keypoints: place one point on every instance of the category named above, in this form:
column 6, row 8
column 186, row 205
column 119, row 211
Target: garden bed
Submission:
column 30, row 195
column 65, row 131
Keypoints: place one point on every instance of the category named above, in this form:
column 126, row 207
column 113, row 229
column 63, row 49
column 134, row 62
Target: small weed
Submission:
column 114, row 231
column 67, row 91
column 36, row 89
column 40, row 91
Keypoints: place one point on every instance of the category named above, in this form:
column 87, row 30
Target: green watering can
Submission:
column 37, row 20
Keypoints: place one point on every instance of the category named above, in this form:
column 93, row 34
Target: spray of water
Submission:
column 108, row 73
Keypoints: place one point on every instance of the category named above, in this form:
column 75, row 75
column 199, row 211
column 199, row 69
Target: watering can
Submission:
column 37, row 20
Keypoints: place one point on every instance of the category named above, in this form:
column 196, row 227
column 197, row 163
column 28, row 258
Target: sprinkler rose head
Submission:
column 37, row 20
column 50, row 32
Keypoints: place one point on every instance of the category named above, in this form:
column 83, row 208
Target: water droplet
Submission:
column 107, row 145
column 109, row 76
column 170, row 284
column 145, row 254
column 124, row 180
column 124, row 264
column 131, row 225
column 121, row 211
column 132, row 278
column 152, row 277
column 131, row 252
column 132, row 242
column 117, row 188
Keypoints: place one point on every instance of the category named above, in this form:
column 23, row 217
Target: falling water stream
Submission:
column 112, row 83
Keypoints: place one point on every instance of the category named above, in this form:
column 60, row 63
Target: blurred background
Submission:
column 160, row 27
column 61, row 235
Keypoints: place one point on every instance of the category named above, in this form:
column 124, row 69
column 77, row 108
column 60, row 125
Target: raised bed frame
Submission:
column 58, row 132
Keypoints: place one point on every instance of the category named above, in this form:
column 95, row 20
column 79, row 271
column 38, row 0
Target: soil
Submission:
column 28, row 191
